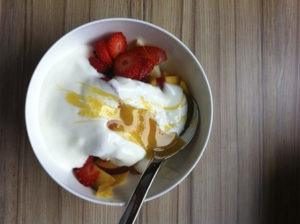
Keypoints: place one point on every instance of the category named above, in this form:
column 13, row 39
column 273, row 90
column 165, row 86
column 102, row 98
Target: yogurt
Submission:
column 71, row 135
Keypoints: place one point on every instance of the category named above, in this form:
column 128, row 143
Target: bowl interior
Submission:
column 181, row 62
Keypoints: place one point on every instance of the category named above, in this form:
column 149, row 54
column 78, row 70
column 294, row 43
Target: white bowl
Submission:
column 181, row 61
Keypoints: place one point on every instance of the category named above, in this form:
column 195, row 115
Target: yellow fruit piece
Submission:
column 104, row 191
column 153, row 81
column 104, row 179
column 184, row 86
column 106, row 183
column 167, row 74
column 172, row 79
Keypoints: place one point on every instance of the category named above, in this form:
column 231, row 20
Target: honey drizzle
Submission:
column 143, row 129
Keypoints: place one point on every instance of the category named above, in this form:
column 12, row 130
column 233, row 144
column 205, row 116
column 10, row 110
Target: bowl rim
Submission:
column 30, row 89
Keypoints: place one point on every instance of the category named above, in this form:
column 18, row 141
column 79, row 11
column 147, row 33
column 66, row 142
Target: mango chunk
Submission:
column 104, row 179
column 173, row 79
column 104, row 191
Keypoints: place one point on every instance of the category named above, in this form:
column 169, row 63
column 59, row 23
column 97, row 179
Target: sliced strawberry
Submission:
column 98, row 65
column 116, row 44
column 132, row 64
column 102, row 52
column 155, row 54
column 88, row 173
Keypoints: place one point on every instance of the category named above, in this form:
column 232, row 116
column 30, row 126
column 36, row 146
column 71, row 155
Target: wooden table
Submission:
column 250, row 49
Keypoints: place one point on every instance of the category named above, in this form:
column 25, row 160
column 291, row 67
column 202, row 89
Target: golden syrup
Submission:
column 140, row 127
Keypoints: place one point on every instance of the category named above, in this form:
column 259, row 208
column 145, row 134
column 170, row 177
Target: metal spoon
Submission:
column 135, row 203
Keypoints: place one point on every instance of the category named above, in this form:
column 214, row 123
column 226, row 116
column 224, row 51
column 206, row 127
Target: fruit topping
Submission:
column 155, row 54
column 106, row 190
column 104, row 180
column 106, row 50
column 157, row 81
column 102, row 175
column 133, row 64
column 116, row 44
column 98, row 65
column 102, row 52
column 136, row 63
column 168, row 78
column 88, row 173
column 172, row 79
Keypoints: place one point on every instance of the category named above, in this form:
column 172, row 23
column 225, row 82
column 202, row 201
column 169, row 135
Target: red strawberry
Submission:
column 88, row 173
column 102, row 52
column 116, row 44
column 155, row 54
column 98, row 65
column 132, row 64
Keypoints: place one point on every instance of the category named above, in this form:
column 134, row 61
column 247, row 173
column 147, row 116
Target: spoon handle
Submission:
column 137, row 198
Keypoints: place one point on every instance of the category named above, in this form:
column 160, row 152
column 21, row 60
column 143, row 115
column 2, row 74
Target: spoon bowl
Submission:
column 190, row 128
